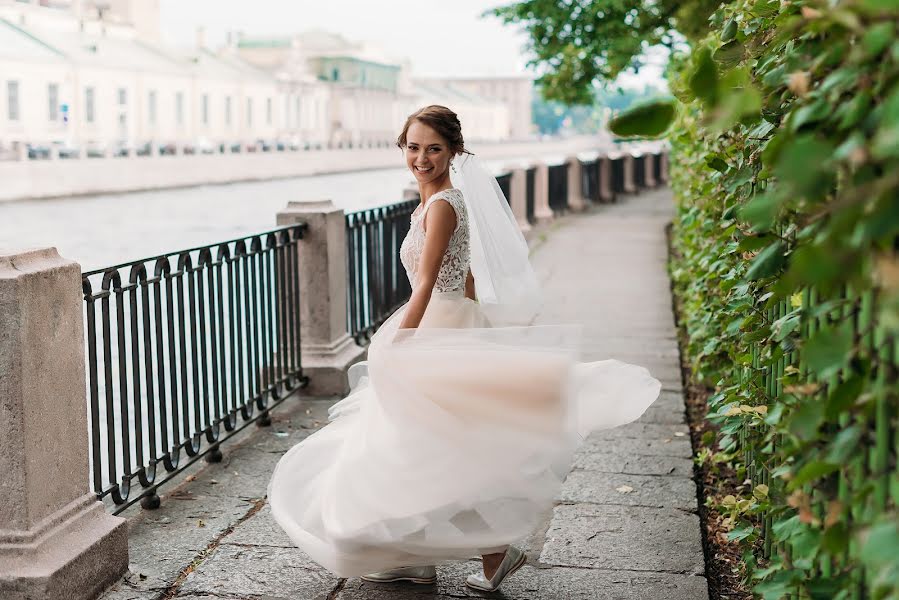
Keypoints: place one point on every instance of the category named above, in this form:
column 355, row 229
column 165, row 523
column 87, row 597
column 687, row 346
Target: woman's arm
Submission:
column 440, row 221
column 469, row 287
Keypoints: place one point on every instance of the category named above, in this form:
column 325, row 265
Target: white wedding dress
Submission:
column 456, row 440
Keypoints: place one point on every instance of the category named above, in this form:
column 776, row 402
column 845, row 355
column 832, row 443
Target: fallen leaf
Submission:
column 679, row 433
column 624, row 489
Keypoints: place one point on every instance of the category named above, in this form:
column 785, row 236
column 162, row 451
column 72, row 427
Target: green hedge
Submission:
column 786, row 172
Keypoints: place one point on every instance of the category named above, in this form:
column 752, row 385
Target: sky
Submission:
column 442, row 38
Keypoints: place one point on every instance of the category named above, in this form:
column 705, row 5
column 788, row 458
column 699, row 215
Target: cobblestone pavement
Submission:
column 625, row 524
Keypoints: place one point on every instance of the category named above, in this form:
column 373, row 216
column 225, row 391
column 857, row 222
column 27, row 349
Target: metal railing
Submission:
column 640, row 171
column 182, row 346
column 558, row 187
column 377, row 284
column 590, row 179
column 530, row 190
column 618, row 175
column 505, row 184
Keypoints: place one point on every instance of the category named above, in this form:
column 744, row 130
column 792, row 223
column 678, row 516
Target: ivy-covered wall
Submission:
column 786, row 173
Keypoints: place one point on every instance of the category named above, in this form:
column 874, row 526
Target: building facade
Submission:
column 82, row 77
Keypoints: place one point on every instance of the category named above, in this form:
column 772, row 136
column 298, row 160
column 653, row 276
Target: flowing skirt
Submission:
column 453, row 443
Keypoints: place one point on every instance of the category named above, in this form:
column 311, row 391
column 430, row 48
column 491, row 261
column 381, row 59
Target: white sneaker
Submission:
column 413, row 574
column 512, row 561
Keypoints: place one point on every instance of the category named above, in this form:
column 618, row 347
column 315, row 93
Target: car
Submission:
column 36, row 151
column 95, row 149
column 66, row 150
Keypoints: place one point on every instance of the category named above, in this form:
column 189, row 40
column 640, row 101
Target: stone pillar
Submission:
column 575, row 193
column 56, row 538
column 606, row 189
column 663, row 172
column 518, row 190
column 326, row 350
column 21, row 151
column 542, row 212
column 629, row 186
column 649, row 169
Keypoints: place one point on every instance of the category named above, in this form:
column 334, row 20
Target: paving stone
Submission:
column 662, row 413
column 635, row 464
column 259, row 530
column 534, row 583
column 163, row 542
column 629, row 490
column 627, row 538
column 675, row 446
column 258, row 572
column 644, row 431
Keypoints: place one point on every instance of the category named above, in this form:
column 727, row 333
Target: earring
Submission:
column 452, row 167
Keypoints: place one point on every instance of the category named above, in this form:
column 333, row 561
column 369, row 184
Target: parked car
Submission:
column 66, row 150
column 36, row 151
column 95, row 149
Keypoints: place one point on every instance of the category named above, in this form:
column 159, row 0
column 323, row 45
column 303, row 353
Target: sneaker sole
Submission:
column 515, row 567
column 420, row 580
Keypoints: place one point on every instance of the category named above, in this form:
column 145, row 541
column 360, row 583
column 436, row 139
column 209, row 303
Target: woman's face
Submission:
column 427, row 153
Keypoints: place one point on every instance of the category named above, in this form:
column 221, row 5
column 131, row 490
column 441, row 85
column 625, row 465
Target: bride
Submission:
column 459, row 434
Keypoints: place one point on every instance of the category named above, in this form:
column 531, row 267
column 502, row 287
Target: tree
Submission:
column 579, row 43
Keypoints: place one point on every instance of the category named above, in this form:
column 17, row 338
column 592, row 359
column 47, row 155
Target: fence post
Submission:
column 630, row 186
column 326, row 349
column 518, row 196
column 606, row 189
column 542, row 212
column 649, row 177
column 56, row 538
column 575, row 193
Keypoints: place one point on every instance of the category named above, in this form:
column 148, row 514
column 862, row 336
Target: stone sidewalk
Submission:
column 625, row 524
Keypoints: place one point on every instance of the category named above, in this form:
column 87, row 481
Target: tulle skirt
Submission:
column 453, row 443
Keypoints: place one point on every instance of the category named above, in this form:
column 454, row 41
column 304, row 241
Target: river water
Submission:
column 100, row 231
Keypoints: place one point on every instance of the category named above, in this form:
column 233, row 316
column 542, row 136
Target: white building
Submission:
column 90, row 76
column 514, row 92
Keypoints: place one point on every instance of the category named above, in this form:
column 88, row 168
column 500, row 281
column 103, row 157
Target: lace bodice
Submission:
column 454, row 268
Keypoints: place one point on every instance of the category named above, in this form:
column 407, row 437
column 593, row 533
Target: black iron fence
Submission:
column 377, row 284
column 640, row 171
column 530, row 190
column 183, row 347
column 618, row 184
column 590, row 179
column 558, row 187
column 505, row 184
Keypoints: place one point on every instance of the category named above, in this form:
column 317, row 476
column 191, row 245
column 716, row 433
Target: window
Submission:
column 12, row 100
column 249, row 112
column 228, row 110
column 204, row 109
column 53, row 102
column 151, row 108
column 268, row 111
column 179, row 108
column 123, row 96
column 89, row 108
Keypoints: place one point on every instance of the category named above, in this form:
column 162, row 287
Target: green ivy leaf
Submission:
column 740, row 533
column 828, row 350
column 704, row 78
column 650, row 119
column 878, row 38
column 804, row 163
column 812, row 471
column 768, row 262
column 844, row 444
